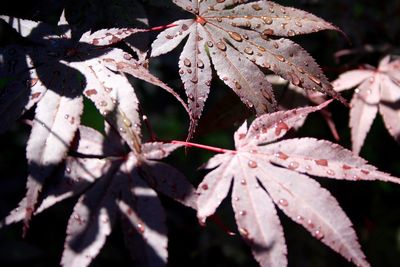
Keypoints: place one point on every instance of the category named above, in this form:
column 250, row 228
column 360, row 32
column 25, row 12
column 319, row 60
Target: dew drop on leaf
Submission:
column 252, row 164
column 322, row 162
column 280, row 58
column 279, row 127
column 248, row 50
column 256, row 7
column 330, row 172
column 314, row 79
column 221, row 46
column 187, row 62
column 140, row 228
column 283, row 202
column 281, row 155
column 244, row 232
column 318, row 234
column 293, row 165
column 235, row 36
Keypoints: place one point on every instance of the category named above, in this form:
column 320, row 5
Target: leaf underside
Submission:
column 240, row 39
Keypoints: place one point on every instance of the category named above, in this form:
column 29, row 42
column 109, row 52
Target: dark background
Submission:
column 373, row 30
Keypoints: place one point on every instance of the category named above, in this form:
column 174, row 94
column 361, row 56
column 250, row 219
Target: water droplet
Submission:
column 237, row 85
column 194, row 79
column 322, row 162
column 256, row 7
column 279, row 127
column 221, row 46
column 243, row 182
column 68, row 170
column 291, row 33
column 299, row 218
column 236, row 198
column 66, row 116
column 187, row 62
column 356, row 177
column 280, row 58
column 283, row 202
column 267, row 20
column 298, row 24
column 330, row 172
column 244, row 232
column 91, row 92
column 140, row 228
column 310, row 224
column 346, row 167
column 210, row 44
column 318, row 234
column 293, row 165
column 314, row 79
column 235, row 36
column 248, row 50
column 262, row 49
column 365, row 172
column 243, row 212
column 200, row 64
column 308, row 168
column 103, row 103
column 127, row 122
column 295, row 79
column 281, row 155
column 122, row 130
column 204, row 186
column 252, row 164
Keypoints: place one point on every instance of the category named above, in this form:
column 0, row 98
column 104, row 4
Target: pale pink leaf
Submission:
column 378, row 91
column 171, row 38
column 214, row 187
column 56, row 120
column 322, row 158
column 305, row 202
column 114, row 97
column 364, row 108
column 282, row 168
column 351, row 79
column 257, row 220
column 389, row 107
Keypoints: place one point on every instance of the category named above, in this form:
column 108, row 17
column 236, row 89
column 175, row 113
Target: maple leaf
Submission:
column 238, row 39
column 54, row 72
column 267, row 174
column 112, row 183
column 377, row 89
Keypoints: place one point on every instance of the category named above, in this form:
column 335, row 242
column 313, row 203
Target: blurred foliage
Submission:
column 373, row 30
